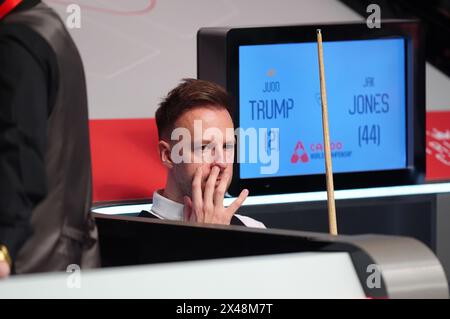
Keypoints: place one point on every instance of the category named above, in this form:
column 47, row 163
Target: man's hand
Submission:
column 5, row 270
column 207, row 207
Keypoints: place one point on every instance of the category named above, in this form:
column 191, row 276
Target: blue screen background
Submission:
column 362, row 70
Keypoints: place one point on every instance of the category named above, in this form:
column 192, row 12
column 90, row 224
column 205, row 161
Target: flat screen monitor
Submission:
column 375, row 93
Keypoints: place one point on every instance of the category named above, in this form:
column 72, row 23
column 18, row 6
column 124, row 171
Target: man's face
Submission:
column 212, row 143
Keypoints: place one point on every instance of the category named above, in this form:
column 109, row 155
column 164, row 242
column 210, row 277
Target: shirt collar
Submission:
column 166, row 208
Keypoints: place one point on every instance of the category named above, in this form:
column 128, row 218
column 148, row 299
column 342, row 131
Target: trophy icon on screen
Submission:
column 299, row 154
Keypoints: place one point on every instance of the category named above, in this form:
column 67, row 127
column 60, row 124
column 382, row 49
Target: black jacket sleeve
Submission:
column 23, row 121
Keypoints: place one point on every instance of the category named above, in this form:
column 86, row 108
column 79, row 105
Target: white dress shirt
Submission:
column 165, row 208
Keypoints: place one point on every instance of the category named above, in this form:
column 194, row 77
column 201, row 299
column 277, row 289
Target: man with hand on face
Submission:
column 200, row 163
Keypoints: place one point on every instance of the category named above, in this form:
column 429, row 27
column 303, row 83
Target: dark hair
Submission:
column 189, row 94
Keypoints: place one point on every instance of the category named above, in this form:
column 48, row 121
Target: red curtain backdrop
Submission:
column 438, row 145
column 125, row 162
column 126, row 165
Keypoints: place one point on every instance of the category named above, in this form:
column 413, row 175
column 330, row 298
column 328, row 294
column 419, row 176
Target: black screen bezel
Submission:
column 414, row 98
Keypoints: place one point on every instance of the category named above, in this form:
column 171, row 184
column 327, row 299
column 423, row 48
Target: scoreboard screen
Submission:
column 280, row 115
column 375, row 81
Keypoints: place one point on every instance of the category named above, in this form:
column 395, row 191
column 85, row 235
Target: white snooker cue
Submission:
column 326, row 137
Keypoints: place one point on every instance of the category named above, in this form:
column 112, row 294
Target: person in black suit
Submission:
column 45, row 172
